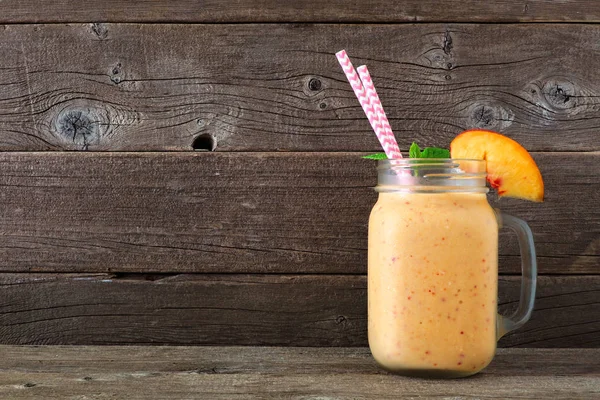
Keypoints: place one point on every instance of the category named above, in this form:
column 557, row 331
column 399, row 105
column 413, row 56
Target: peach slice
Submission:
column 510, row 168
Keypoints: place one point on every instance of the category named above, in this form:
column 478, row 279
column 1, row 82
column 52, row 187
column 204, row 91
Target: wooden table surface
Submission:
column 134, row 372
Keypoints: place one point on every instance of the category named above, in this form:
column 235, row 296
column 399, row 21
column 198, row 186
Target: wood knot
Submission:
column 440, row 57
column 314, row 84
column 559, row 95
column 115, row 74
column 488, row 116
column 447, row 43
column 79, row 126
column 100, row 30
column 341, row 320
column 483, row 117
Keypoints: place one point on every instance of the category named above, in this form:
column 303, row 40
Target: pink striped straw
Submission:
column 371, row 93
column 370, row 106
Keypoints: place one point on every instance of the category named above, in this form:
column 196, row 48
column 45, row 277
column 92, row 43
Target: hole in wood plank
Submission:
column 205, row 142
column 315, row 84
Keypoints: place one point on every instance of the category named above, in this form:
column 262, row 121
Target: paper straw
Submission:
column 386, row 137
column 374, row 100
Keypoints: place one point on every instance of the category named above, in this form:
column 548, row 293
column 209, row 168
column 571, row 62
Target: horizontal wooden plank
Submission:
column 298, row 11
column 284, row 360
column 275, row 373
column 252, row 87
column 245, row 212
column 296, row 310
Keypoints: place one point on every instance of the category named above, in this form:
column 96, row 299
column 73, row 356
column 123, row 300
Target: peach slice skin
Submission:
column 510, row 168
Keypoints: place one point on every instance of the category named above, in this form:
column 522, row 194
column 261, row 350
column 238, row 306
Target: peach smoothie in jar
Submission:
column 433, row 255
column 433, row 271
column 439, row 252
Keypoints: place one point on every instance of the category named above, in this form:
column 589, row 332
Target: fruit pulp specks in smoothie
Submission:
column 432, row 281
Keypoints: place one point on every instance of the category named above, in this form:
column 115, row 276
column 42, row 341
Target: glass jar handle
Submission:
column 528, row 271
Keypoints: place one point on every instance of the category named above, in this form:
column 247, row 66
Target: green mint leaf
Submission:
column 415, row 151
column 435, row 152
column 376, row 156
column 428, row 152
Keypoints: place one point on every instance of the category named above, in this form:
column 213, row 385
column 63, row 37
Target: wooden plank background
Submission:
column 251, row 309
column 113, row 230
column 208, row 11
column 245, row 212
column 256, row 87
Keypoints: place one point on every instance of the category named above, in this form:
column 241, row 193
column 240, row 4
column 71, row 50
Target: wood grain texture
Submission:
column 245, row 212
column 290, row 310
column 298, row 11
column 275, row 373
column 253, row 87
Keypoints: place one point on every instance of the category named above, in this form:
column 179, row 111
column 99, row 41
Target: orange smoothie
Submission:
column 432, row 282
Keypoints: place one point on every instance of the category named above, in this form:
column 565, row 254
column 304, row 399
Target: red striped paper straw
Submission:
column 373, row 97
column 385, row 136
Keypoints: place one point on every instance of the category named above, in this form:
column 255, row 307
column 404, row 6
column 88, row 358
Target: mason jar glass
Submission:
column 433, row 269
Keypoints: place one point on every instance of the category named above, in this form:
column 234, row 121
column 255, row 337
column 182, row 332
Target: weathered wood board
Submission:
column 209, row 11
column 245, row 212
column 253, row 87
column 214, row 309
column 142, row 241
column 274, row 373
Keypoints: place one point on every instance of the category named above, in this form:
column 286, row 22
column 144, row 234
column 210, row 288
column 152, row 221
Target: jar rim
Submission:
column 434, row 173
column 425, row 161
